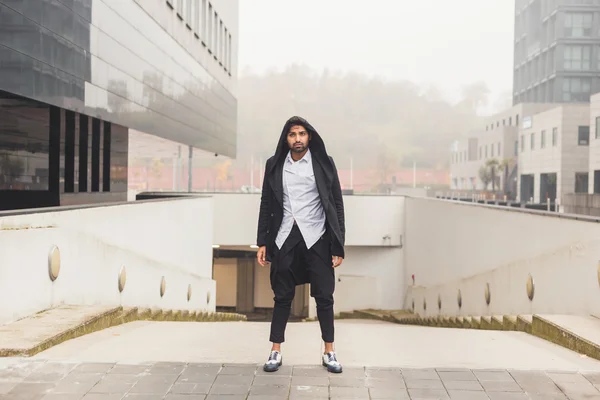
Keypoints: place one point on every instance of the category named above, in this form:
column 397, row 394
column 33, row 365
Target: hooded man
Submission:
column 301, row 231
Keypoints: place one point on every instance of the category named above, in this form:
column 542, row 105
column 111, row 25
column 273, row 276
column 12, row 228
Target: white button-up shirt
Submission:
column 301, row 201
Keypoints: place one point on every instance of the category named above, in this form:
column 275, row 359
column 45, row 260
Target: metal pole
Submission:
column 351, row 173
column 260, row 177
column 178, row 166
column 252, row 172
column 190, row 157
column 414, row 174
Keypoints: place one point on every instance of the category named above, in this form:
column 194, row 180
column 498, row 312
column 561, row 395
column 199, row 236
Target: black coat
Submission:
column 328, row 185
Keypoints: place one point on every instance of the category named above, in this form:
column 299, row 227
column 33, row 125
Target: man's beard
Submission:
column 298, row 149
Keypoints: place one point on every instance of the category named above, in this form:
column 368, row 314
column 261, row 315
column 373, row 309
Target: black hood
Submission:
column 316, row 144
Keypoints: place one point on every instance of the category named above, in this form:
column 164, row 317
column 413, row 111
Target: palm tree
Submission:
column 505, row 165
column 493, row 166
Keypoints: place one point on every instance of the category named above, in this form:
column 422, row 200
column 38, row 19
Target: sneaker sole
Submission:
column 333, row 371
column 267, row 369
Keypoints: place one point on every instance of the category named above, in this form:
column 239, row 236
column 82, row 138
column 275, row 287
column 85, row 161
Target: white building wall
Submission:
column 575, row 157
column 594, row 155
column 151, row 240
column 564, row 158
column 371, row 275
column 560, row 253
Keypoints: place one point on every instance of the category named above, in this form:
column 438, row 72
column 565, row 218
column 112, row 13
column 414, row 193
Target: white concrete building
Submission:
column 594, row 157
column 554, row 153
column 496, row 140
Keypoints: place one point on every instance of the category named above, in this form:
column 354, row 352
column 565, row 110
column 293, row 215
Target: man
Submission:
column 301, row 231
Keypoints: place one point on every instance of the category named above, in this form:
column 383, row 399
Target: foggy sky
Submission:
column 449, row 43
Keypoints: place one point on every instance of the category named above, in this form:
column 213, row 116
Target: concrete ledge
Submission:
column 564, row 335
column 31, row 335
column 497, row 322
column 509, row 323
column 524, row 323
column 41, row 331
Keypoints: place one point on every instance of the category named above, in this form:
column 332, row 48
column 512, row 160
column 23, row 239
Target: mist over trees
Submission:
column 381, row 124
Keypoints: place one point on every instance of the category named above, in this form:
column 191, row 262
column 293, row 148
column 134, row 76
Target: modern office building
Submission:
column 75, row 75
column 495, row 140
column 554, row 154
column 594, row 156
column 556, row 51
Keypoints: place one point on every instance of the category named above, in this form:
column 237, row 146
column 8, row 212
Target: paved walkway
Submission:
column 184, row 361
column 35, row 380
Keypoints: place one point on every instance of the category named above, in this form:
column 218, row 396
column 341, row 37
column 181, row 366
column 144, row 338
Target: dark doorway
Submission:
column 548, row 187
column 527, row 185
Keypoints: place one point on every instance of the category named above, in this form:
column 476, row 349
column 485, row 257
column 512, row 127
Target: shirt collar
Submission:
column 307, row 157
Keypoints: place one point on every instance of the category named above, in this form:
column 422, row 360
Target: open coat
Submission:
column 328, row 185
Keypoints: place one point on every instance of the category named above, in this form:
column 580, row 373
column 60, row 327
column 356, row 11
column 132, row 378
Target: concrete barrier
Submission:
column 503, row 261
column 154, row 254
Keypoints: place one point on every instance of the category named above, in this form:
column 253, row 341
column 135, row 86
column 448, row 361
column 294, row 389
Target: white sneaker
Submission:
column 330, row 361
column 274, row 362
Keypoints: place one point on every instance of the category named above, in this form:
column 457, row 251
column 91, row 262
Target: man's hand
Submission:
column 336, row 261
column 261, row 255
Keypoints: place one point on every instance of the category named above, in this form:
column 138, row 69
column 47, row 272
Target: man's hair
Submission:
column 298, row 121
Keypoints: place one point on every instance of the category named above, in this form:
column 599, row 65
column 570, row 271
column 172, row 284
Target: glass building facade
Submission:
column 76, row 75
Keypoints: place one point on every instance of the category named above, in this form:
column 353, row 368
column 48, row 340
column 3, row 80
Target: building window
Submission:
column 543, row 144
column 229, row 61
column 69, row 174
column 510, row 121
column 577, row 89
column 188, row 13
column 180, row 8
column 578, row 57
column 578, row 24
column 532, row 141
column 106, row 157
column 554, row 136
column 486, row 151
column 583, row 136
column 516, row 148
column 517, row 120
column 581, row 182
column 83, row 152
column 196, row 17
column 491, row 150
column 204, row 28
column 215, row 44
column 226, row 51
column 499, row 148
column 209, row 36
column 597, row 127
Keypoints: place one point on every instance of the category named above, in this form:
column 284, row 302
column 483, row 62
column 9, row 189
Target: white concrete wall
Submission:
column 594, row 157
column 236, row 219
column 151, row 240
column 450, row 247
column 370, row 278
column 565, row 158
column 575, row 158
column 371, row 275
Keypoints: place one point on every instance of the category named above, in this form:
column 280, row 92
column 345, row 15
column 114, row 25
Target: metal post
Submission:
column 260, row 173
column 252, row 173
column 414, row 174
column 190, row 157
column 351, row 173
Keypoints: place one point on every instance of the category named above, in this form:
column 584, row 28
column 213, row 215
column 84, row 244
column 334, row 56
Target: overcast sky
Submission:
column 446, row 42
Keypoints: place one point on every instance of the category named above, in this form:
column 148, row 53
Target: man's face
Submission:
column 298, row 138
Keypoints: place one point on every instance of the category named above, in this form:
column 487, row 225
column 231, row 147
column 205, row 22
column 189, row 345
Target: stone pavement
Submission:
column 27, row 379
